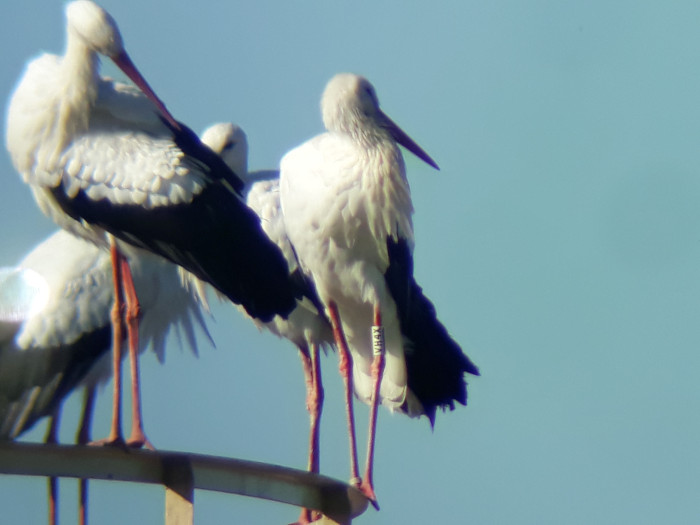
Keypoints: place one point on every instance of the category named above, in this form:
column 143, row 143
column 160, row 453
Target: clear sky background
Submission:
column 560, row 243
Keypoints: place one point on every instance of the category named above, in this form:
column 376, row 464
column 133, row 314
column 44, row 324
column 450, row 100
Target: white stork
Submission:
column 56, row 336
column 107, row 161
column 347, row 211
column 305, row 327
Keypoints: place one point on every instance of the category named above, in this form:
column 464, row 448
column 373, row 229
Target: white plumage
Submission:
column 344, row 193
column 101, row 156
column 66, row 343
column 347, row 210
column 59, row 99
column 107, row 161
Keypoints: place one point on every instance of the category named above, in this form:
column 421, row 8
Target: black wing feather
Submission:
column 55, row 371
column 216, row 236
column 435, row 363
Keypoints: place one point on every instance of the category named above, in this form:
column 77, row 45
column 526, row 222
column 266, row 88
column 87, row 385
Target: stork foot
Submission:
column 139, row 440
column 116, row 442
column 136, row 440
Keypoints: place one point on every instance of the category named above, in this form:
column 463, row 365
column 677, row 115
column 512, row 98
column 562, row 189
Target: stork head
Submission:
column 231, row 143
column 350, row 105
column 96, row 28
column 349, row 101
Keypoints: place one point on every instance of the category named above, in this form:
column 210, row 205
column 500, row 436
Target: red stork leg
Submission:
column 377, row 372
column 138, row 438
column 52, row 438
column 83, row 438
column 315, row 409
column 314, row 404
column 115, row 437
column 346, row 373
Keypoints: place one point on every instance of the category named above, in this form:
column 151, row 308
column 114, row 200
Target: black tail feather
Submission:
column 435, row 363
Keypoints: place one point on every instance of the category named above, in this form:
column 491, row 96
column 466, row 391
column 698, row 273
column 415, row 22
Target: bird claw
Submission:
column 139, row 441
column 134, row 442
column 115, row 442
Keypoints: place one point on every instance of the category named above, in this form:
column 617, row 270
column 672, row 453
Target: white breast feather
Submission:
column 328, row 177
column 26, row 125
column 341, row 204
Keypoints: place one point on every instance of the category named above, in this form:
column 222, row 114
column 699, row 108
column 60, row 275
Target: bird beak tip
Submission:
column 401, row 137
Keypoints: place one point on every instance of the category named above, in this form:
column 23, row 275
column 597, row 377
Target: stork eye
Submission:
column 228, row 146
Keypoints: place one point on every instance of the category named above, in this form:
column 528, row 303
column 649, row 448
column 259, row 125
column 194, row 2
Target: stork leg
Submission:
column 315, row 409
column 52, row 438
column 83, row 438
column 83, row 435
column 377, row 372
column 314, row 404
column 138, row 437
column 346, row 372
column 115, row 437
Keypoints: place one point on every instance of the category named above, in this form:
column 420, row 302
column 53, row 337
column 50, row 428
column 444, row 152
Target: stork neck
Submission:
column 80, row 74
column 372, row 138
column 76, row 93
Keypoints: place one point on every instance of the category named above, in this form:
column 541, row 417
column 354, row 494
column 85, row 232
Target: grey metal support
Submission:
column 181, row 473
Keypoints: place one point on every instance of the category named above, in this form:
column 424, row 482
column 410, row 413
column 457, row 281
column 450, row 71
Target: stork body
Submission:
column 105, row 157
column 108, row 162
column 305, row 327
column 348, row 213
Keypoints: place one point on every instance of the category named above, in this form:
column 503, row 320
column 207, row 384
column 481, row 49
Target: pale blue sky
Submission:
column 560, row 243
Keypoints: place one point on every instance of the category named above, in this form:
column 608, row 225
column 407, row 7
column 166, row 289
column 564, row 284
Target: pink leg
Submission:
column 115, row 435
column 346, row 373
column 52, row 438
column 305, row 516
column 377, row 373
column 314, row 404
column 315, row 409
column 82, row 438
column 133, row 310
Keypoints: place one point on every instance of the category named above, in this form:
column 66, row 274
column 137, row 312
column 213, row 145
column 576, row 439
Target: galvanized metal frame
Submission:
column 181, row 473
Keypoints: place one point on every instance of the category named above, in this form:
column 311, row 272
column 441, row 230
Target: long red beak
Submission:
column 407, row 142
column 123, row 62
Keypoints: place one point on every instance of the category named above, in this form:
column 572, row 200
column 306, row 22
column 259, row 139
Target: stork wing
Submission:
column 23, row 292
column 435, row 363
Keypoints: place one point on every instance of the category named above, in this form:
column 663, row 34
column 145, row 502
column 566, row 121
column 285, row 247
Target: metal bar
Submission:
column 338, row 501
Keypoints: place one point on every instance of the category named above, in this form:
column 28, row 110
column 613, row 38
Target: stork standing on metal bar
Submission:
column 108, row 162
column 347, row 210
column 305, row 327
